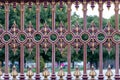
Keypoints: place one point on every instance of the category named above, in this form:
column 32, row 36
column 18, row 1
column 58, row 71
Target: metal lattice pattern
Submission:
column 61, row 41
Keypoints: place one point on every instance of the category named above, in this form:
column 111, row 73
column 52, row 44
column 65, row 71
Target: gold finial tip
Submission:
column 92, row 22
column 14, row 22
column 109, row 66
column 108, row 22
column 77, row 66
column 61, row 67
column 14, row 66
column 92, row 67
column 30, row 22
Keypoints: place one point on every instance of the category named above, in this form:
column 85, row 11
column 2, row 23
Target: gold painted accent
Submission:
column 61, row 73
column 37, row 3
column 61, row 45
column 14, row 45
column 29, row 74
column 109, row 45
column 109, row 73
column 77, row 45
column 77, row 29
column 116, row 2
column 22, row 3
column 77, row 73
column 100, row 2
column 45, row 73
column 14, row 73
column 45, row 45
column 53, row 2
column 92, row 73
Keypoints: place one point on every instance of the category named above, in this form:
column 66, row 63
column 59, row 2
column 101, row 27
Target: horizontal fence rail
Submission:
column 92, row 39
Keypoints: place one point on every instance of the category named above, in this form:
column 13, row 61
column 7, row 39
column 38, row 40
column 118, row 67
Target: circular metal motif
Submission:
column 37, row 37
column 69, row 37
column 53, row 37
column 116, row 37
column 6, row 37
column 22, row 37
column 85, row 37
column 100, row 37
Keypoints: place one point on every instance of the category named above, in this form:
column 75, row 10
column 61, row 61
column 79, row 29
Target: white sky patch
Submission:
column 106, row 13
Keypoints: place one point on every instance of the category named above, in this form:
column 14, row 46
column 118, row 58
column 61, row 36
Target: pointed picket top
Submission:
column 45, row 24
column 61, row 24
column 14, row 22
column 14, row 50
column 108, row 23
column 30, row 23
column 77, row 24
column 92, row 23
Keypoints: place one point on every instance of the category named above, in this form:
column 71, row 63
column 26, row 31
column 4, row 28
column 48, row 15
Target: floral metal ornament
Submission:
column 61, row 43
column 93, row 44
column 77, row 44
column 108, row 44
column 14, row 44
column 45, row 30
column 92, row 4
column 30, row 30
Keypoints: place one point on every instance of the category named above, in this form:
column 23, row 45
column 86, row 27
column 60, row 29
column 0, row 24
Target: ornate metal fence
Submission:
column 61, row 39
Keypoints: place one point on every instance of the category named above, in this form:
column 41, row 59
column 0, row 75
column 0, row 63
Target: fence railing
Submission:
column 61, row 38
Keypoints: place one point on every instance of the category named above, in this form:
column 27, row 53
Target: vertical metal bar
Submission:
column 100, row 14
column 69, row 16
column 37, row 62
column 22, row 59
column 117, row 15
column 101, row 60
column 85, row 15
column 6, row 16
column 117, row 63
column 69, row 59
column 85, row 44
column 53, row 77
column 22, row 16
column 69, row 77
column 37, row 16
column 37, row 45
column 22, row 77
column 53, row 15
column 6, row 76
column 85, row 59
column 117, row 77
column 100, row 45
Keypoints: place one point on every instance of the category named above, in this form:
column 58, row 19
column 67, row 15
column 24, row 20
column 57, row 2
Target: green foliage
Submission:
column 53, row 37
column 69, row 37
column 37, row 37
column 42, row 64
column 101, row 36
column 6, row 37
column 117, row 36
column 85, row 37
